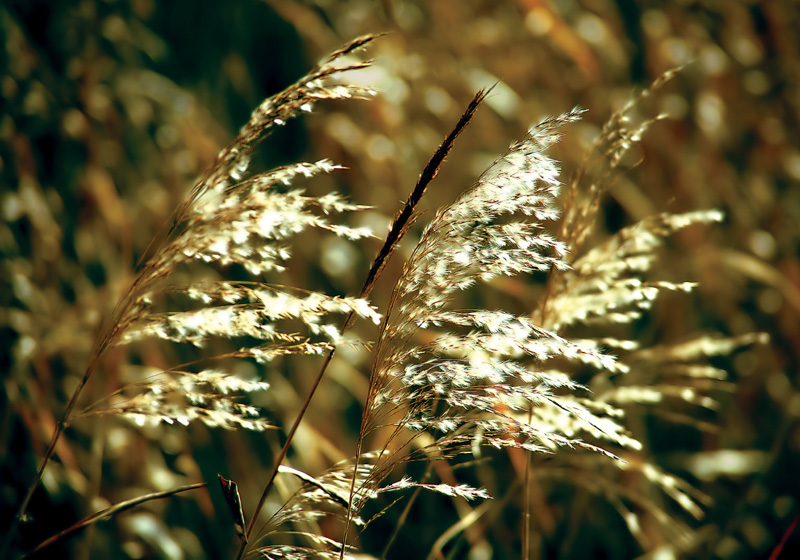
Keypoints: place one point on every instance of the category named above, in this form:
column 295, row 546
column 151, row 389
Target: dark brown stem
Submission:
column 399, row 227
column 402, row 220
column 284, row 450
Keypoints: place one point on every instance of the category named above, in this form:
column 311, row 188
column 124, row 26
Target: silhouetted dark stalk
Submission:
column 400, row 226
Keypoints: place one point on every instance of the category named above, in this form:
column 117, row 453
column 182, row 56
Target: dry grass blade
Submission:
column 112, row 511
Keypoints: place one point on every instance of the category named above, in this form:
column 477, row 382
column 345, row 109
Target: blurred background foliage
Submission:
column 110, row 109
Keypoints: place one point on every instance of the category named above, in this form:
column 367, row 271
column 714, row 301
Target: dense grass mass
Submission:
column 561, row 359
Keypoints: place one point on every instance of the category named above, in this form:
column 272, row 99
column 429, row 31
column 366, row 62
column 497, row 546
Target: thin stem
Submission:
column 152, row 271
column 526, row 512
column 779, row 548
column 399, row 227
column 106, row 337
column 284, row 450
column 403, row 219
column 113, row 510
column 60, row 427
column 526, row 515
column 460, row 526
column 404, row 515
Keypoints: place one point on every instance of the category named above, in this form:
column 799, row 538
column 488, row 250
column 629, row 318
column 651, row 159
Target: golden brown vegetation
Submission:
column 620, row 404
